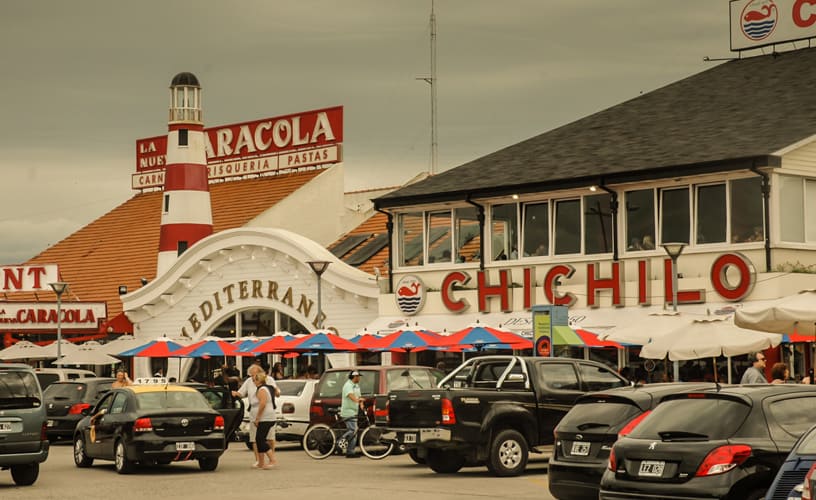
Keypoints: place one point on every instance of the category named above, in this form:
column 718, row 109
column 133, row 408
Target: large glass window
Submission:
column 640, row 220
column 410, row 239
column 810, row 210
column 598, row 223
column 711, row 214
column 791, row 204
column 746, row 210
column 675, row 217
column 536, row 229
column 439, row 237
column 504, row 231
column 468, row 239
column 567, row 227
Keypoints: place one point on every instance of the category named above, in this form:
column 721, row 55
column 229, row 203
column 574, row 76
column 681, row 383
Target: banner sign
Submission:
column 545, row 318
column 757, row 23
column 43, row 315
column 28, row 278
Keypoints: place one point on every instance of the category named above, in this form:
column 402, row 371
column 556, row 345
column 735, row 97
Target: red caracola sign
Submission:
column 280, row 143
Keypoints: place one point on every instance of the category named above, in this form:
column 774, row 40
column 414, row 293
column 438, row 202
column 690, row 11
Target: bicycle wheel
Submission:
column 372, row 444
column 318, row 442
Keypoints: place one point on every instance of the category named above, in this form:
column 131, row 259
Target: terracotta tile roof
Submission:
column 374, row 226
column 99, row 257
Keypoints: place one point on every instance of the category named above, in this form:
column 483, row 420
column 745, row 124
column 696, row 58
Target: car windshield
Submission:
column 291, row 387
column 331, row 384
column 18, row 389
column 161, row 400
column 597, row 414
column 704, row 418
column 64, row 392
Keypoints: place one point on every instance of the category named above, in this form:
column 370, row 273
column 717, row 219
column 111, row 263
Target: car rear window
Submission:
column 794, row 415
column 18, row 389
column 807, row 446
column 595, row 415
column 331, row 383
column 47, row 379
column 290, row 387
column 409, row 378
column 172, row 400
column 65, row 392
column 709, row 418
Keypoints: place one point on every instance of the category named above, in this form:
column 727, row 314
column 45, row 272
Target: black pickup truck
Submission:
column 492, row 410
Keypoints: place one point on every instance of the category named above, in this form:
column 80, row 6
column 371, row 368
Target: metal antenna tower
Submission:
column 432, row 81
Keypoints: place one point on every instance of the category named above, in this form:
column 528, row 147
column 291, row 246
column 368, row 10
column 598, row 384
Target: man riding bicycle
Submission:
column 351, row 404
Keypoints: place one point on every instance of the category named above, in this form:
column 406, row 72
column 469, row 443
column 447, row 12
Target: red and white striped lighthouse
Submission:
column 186, row 210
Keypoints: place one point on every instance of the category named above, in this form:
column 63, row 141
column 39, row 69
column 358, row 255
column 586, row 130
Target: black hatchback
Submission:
column 66, row 401
column 725, row 444
column 584, row 437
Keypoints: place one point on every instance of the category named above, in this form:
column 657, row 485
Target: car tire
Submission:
column 756, row 495
column 414, row 454
column 81, row 458
column 25, row 475
column 120, row 460
column 445, row 461
column 208, row 463
column 508, row 453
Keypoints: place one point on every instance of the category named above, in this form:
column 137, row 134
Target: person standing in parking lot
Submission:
column 248, row 390
column 352, row 402
column 265, row 419
column 754, row 374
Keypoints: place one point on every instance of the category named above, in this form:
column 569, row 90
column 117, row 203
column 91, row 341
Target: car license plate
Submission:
column 185, row 446
column 5, row 427
column 580, row 448
column 50, row 423
column 651, row 468
column 409, row 438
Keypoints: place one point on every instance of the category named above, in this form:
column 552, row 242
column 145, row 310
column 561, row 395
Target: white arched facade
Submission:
column 250, row 268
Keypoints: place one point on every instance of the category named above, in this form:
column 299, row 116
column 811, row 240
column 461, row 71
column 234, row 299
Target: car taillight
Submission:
column 219, row 423
column 723, row 459
column 76, row 409
column 448, row 416
column 613, row 463
column 142, row 425
column 288, row 408
column 43, row 432
column 628, row 428
column 316, row 411
column 807, row 493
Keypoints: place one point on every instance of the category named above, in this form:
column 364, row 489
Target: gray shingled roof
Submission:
column 732, row 116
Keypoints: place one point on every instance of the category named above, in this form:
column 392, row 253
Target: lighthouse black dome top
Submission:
column 185, row 79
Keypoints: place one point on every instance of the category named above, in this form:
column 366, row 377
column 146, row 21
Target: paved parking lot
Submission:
column 297, row 477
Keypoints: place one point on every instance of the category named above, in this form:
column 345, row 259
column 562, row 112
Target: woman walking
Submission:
column 265, row 420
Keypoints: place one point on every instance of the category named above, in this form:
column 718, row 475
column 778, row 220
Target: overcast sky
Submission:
column 82, row 80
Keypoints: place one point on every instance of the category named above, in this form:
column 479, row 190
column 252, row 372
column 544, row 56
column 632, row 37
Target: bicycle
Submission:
column 321, row 440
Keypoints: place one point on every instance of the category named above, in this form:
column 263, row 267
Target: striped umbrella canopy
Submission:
column 208, row 348
column 564, row 335
column 323, row 342
column 275, row 344
column 482, row 336
column 159, row 348
column 407, row 340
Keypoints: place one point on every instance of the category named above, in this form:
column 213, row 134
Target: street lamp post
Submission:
column 319, row 267
column 674, row 250
column 59, row 288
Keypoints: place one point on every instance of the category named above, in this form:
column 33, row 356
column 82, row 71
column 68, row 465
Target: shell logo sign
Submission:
column 410, row 295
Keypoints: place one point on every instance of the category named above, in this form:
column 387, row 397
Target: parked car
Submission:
column 23, row 445
column 65, row 402
column 150, row 424
column 375, row 383
column 726, row 444
column 220, row 399
column 801, row 461
column 47, row 376
column 584, row 437
column 293, row 407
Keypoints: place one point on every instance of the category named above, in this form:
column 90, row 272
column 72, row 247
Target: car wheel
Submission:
column 120, row 460
column 81, row 458
column 445, row 461
column 508, row 453
column 208, row 463
column 414, row 454
column 25, row 475
column 756, row 495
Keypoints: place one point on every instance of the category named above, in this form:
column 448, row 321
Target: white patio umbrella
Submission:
column 795, row 313
column 644, row 328
column 65, row 348
column 84, row 356
column 23, row 350
column 120, row 344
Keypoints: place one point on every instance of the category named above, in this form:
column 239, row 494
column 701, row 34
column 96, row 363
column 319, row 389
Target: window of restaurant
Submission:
column 598, row 224
column 504, row 231
column 746, row 210
column 468, row 239
column 640, row 220
column 711, row 218
column 796, row 193
column 536, row 230
column 567, row 227
column 675, row 215
column 410, row 239
column 439, row 238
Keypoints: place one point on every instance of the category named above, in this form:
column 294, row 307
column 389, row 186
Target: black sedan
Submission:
column 725, row 444
column 584, row 437
column 65, row 402
column 150, row 424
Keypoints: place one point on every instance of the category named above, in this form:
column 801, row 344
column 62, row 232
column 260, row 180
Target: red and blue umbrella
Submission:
column 407, row 340
column 158, row 348
column 275, row 344
column 208, row 348
column 325, row 342
column 481, row 337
